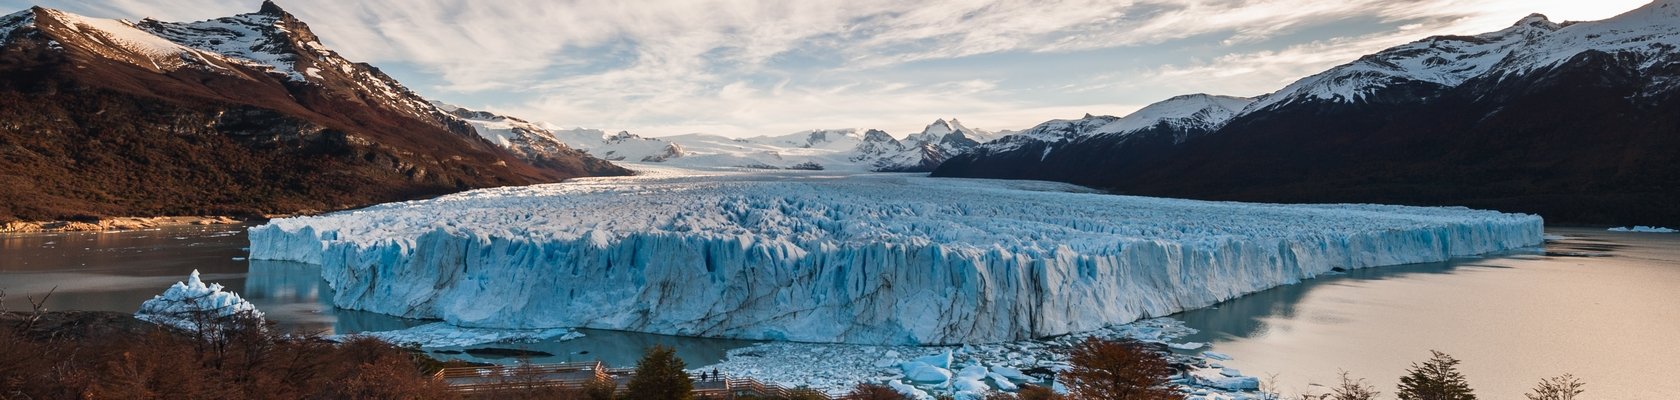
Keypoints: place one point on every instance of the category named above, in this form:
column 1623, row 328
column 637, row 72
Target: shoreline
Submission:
column 113, row 224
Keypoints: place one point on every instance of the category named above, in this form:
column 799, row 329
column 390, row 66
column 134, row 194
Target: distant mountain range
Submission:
column 248, row 114
column 1576, row 121
column 844, row 149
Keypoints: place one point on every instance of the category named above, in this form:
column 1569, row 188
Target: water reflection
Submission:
column 294, row 295
column 1246, row 316
column 1598, row 305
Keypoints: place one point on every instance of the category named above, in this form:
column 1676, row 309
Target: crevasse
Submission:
column 874, row 258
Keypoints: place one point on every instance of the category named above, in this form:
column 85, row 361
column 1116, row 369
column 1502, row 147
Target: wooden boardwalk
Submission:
column 578, row 375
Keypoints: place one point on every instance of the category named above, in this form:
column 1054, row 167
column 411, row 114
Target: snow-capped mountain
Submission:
column 1646, row 36
column 1179, row 116
column 1089, row 142
column 274, row 40
column 844, row 149
column 1187, row 114
column 529, row 141
column 247, row 114
column 1539, row 117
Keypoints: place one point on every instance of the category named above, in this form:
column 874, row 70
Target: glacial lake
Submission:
column 1603, row 306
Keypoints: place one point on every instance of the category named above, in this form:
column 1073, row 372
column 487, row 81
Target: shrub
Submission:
column 1118, row 370
column 1564, row 387
column 1036, row 392
column 870, row 391
column 1352, row 389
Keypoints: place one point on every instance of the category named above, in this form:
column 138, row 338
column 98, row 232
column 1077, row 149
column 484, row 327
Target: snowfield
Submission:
column 851, row 258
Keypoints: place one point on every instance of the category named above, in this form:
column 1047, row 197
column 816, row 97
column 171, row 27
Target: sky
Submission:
column 746, row 68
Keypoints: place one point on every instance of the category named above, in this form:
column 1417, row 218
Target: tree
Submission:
column 1436, row 379
column 660, row 375
column 1352, row 389
column 870, row 391
column 1118, row 370
column 1564, row 387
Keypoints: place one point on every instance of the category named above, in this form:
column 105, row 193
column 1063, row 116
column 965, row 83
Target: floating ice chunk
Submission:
column 1644, row 229
column 921, row 372
column 969, row 386
column 1216, row 355
column 1187, row 346
column 445, row 335
column 1014, row 374
column 187, row 304
column 1002, row 382
column 907, row 390
column 1216, row 378
column 941, row 360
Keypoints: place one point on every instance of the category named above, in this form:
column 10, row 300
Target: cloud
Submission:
column 746, row 67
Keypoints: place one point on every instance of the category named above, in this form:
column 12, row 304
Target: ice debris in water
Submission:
column 439, row 334
column 187, row 304
column 971, row 371
column 1643, row 229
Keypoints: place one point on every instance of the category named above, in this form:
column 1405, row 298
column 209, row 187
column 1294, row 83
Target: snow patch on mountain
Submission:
column 114, row 39
column 274, row 40
column 1187, row 113
column 257, row 39
column 834, row 257
column 528, row 140
column 15, row 21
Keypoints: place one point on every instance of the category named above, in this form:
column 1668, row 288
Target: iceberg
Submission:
column 817, row 256
column 186, row 305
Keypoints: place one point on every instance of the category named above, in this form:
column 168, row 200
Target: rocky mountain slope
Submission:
column 240, row 115
column 1579, row 122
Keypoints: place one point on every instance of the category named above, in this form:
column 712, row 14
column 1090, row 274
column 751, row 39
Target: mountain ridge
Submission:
column 111, row 118
column 1573, row 121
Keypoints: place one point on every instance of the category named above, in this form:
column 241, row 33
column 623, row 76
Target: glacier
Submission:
column 863, row 258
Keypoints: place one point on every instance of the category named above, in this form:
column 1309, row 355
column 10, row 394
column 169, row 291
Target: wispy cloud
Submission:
column 745, row 67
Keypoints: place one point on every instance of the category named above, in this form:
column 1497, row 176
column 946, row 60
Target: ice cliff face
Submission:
column 883, row 259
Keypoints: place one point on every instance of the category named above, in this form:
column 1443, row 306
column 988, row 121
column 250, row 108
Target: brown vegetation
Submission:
column 869, row 391
column 1118, row 370
column 113, row 356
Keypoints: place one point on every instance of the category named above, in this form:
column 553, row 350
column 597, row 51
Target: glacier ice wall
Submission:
column 881, row 258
